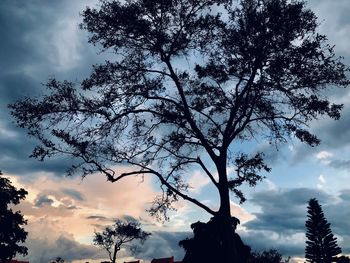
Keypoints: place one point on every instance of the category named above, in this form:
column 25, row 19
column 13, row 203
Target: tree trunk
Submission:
column 216, row 240
column 226, row 232
column 231, row 245
column 116, row 249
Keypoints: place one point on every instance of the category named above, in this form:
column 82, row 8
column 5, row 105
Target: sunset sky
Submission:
column 41, row 39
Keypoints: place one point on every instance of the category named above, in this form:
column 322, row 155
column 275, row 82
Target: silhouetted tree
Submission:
column 343, row 259
column 321, row 246
column 269, row 256
column 113, row 238
column 190, row 79
column 58, row 260
column 11, row 230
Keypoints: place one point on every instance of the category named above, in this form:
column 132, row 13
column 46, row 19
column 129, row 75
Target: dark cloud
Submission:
column 334, row 136
column 101, row 218
column 72, row 207
column 340, row 164
column 266, row 240
column 129, row 218
column 163, row 244
column 43, row 200
column 283, row 211
column 15, row 152
column 41, row 39
column 345, row 195
column 43, row 250
column 74, row 193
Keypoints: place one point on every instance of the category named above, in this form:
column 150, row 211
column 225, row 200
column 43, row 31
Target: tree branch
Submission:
column 187, row 112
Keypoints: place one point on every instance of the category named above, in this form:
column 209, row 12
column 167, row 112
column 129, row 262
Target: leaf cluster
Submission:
column 11, row 222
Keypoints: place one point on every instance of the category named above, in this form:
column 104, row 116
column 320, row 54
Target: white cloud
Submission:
column 66, row 41
column 271, row 185
column 197, row 182
column 322, row 179
column 239, row 212
column 323, row 155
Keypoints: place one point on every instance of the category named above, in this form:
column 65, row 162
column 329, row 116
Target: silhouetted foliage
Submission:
column 206, row 245
column 343, row 259
column 270, row 256
column 11, row 230
column 113, row 238
column 58, row 260
column 190, row 78
column 321, row 246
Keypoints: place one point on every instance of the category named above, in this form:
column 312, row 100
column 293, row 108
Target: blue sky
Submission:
column 41, row 39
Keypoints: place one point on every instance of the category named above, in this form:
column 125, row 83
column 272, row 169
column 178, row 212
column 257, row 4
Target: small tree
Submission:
column 11, row 232
column 321, row 246
column 113, row 238
column 58, row 260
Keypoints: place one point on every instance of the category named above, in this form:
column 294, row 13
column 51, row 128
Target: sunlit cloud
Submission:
column 197, row 181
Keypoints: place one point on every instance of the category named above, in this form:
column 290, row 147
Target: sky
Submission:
column 41, row 39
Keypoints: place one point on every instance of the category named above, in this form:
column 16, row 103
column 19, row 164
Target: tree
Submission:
column 191, row 80
column 343, row 259
column 58, row 260
column 11, row 230
column 269, row 256
column 321, row 246
column 112, row 239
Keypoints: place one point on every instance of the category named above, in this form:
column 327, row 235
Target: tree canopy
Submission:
column 11, row 230
column 321, row 244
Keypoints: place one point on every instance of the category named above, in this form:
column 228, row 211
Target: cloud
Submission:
column 197, row 181
column 243, row 215
column 340, row 164
column 43, row 200
column 103, row 218
column 41, row 40
column 163, row 244
column 287, row 245
column 74, row 193
column 334, row 21
column 42, row 250
column 283, row 211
